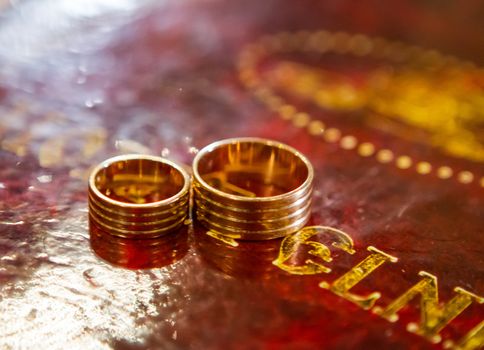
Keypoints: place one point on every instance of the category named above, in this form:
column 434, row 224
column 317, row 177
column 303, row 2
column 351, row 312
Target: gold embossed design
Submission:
column 472, row 341
column 433, row 316
column 350, row 279
column 291, row 245
column 397, row 102
column 401, row 113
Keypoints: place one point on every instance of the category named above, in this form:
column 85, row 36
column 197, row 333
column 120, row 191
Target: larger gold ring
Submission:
column 252, row 188
column 138, row 196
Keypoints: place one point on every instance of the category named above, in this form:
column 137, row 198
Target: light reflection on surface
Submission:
column 141, row 253
column 49, row 40
column 74, row 298
column 58, row 23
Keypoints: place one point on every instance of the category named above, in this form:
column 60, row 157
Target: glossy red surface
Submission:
column 81, row 83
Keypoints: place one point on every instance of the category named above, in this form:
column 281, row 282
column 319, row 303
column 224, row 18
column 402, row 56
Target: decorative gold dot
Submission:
column 316, row 127
column 404, row 162
column 448, row 344
column 270, row 42
column 274, row 103
column 412, row 327
column 482, row 181
column 395, row 51
column 431, row 56
column 424, row 168
column 444, row 172
column 247, row 74
column 251, row 83
column 332, row 135
column 300, row 120
column 296, row 41
column 360, row 45
column 414, row 51
column 248, row 77
column 341, row 42
column 254, row 51
column 287, row 111
column 301, row 37
column 348, row 142
column 379, row 45
column 321, row 41
column 366, row 149
column 384, row 156
column 246, row 60
column 284, row 39
column 465, row 177
column 263, row 93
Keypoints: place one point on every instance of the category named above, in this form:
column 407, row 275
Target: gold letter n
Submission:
column 433, row 316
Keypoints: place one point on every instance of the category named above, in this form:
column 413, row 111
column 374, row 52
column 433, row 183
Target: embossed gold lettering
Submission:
column 292, row 244
column 343, row 284
column 472, row 341
column 433, row 316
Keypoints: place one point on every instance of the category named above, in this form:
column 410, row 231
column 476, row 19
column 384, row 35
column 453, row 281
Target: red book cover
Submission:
column 385, row 99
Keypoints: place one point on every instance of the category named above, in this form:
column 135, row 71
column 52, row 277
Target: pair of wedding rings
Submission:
column 243, row 188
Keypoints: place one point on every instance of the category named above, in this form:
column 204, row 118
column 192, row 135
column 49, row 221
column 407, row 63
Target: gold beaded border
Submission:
column 357, row 45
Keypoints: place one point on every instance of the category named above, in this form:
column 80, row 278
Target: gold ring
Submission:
column 138, row 196
column 252, row 188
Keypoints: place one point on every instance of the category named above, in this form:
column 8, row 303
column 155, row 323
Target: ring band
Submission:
column 252, row 188
column 138, row 196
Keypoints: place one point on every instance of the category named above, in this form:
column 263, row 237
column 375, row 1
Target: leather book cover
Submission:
column 386, row 99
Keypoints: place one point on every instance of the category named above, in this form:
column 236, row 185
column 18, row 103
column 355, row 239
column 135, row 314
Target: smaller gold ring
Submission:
column 138, row 196
column 252, row 188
